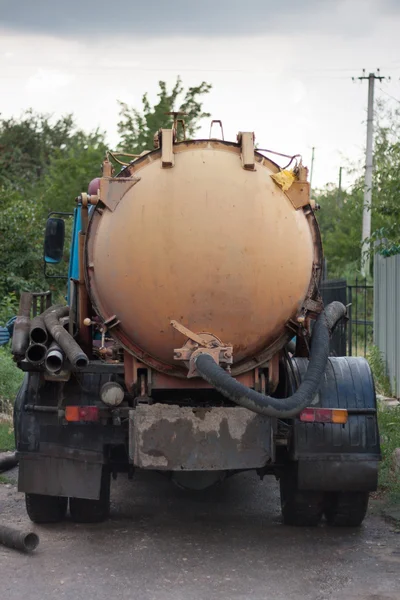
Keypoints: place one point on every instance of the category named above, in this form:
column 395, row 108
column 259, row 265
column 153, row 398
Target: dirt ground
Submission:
column 164, row 544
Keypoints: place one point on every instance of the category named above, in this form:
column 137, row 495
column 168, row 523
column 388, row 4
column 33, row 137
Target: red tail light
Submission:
column 324, row 415
column 81, row 413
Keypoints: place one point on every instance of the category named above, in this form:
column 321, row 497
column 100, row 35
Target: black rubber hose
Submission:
column 26, row 541
column 73, row 351
column 279, row 407
column 8, row 460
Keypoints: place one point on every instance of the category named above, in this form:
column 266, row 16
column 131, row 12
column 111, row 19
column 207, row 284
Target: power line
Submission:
column 390, row 95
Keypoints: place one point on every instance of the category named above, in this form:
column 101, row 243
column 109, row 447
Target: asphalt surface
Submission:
column 164, row 544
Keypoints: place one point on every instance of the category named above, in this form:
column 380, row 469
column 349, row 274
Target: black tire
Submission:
column 83, row 510
column 45, row 509
column 346, row 509
column 301, row 508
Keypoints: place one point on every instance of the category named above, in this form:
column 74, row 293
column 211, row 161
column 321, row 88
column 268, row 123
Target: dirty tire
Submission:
column 92, row 511
column 45, row 509
column 346, row 509
column 301, row 508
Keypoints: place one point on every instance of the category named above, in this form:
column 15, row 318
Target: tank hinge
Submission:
column 246, row 141
column 201, row 343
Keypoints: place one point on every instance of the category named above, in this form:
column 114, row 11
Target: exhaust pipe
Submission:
column 20, row 340
column 38, row 331
column 54, row 360
column 36, row 354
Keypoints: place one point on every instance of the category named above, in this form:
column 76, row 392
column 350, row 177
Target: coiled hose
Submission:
column 279, row 407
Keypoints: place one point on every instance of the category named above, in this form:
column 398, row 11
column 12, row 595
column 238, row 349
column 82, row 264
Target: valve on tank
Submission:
column 201, row 343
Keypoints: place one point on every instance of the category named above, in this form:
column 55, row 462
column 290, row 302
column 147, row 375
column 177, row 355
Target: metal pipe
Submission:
column 20, row 341
column 36, row 354
column 38, row 331
column 72, row 350
column 54, row 359
column 26, row 541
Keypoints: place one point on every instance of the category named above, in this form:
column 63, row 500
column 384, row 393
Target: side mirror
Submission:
column 54, row 240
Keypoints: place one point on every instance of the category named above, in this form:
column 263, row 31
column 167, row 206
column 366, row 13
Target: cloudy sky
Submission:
column 282, row 69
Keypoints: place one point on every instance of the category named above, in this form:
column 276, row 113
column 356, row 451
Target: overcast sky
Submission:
column 281, row 69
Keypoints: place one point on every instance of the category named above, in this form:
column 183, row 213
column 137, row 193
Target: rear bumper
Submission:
column 176, row 438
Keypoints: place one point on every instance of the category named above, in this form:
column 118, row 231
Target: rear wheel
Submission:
column 346, row 509
column 83, row 510
column 45, row 509
column 299, row 507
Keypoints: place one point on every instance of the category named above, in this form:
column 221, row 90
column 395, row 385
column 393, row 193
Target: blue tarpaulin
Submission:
column 7, row 331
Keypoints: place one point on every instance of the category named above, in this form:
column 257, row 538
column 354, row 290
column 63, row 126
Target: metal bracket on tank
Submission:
column 167, row 138
column 113, row 189
column 298, row 190
column 246, row 140
column 201, row 343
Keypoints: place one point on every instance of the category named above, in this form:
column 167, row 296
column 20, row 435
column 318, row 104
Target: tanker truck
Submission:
column 191, row 271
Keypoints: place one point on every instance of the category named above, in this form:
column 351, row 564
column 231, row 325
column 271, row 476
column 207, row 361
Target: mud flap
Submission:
column 56, row 476
column 335, row 457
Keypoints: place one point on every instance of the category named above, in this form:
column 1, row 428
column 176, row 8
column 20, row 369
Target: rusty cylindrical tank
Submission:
column 206, row 242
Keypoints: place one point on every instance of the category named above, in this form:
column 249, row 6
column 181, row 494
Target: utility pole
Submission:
column 312, row 168
column 366, row 219
column 339, row 195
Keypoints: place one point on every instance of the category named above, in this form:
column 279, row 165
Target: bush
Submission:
column 10, row 380
column 378, row 367
column 389, row 429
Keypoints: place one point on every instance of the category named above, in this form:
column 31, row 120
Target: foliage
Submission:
column 6, row 441
column 21, row 242
column 389, row 429
column 8, row 307
column 27, row 144
column 10, row 380
column 340, row 224
column 137, row 127
column 378, row 367
column 44, row 165
column 70, row 170
column 340, row 217
column 386, row 183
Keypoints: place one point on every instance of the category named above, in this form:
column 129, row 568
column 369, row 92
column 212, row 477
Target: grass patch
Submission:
column 10, row 380
column 389, row 429
column 378, row 367
column 6, row 437
column 4, row 479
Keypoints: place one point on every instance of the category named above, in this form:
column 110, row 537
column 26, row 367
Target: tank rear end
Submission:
column 198, row 248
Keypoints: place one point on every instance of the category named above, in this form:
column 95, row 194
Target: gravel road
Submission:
column 164, row 544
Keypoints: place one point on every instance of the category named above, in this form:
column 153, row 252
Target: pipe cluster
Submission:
column 45, row 339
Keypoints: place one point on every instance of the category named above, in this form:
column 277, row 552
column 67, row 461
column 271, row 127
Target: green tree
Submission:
column 44, row 165
column 137, row 127
column 386, row 181
column 340, row 222
column 27, row 145
column 70, row 171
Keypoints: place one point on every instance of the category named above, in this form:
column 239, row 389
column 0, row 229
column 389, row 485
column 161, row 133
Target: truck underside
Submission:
column 70, row 444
